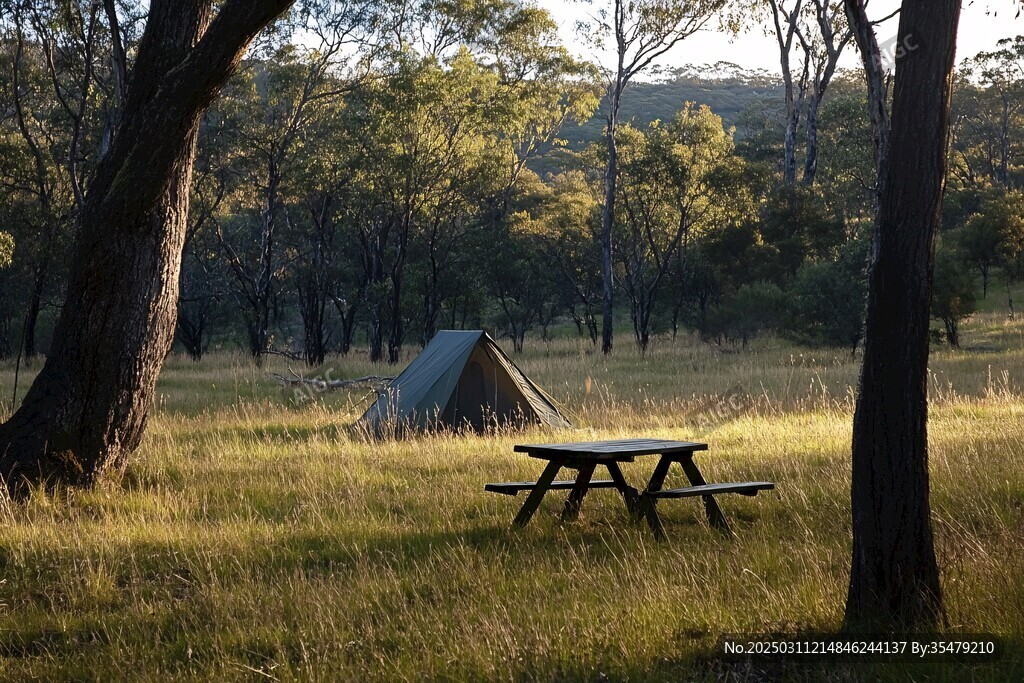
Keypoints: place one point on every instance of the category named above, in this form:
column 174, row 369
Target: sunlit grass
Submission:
column 256, row 535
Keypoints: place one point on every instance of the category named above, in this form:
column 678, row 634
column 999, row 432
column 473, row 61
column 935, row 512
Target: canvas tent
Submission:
column 461, row 379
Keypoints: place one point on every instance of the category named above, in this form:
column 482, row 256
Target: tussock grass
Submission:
column 256, row 536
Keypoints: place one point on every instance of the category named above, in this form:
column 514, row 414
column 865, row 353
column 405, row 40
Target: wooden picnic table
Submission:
column 585, row 457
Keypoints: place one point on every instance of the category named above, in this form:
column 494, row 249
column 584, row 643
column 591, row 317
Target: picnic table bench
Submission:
column 585, row 457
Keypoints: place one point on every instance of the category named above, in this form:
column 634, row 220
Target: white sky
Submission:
column 982, row 23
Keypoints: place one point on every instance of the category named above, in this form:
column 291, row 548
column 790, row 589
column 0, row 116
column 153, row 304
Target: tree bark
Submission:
column 607, row 223
column 794, row 105
column 874, row 76
column 786, row 30
column 811, row 155
column 813, row 108
column 397, row 333
column 833, row 45
column 86, row 411
column 894, row 578
column 312, row 309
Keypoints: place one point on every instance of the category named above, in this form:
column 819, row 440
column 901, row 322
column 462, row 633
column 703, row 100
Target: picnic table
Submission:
column 585, row 457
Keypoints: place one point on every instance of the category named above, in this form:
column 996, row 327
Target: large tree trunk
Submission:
column 86, row 410
column 894, row 579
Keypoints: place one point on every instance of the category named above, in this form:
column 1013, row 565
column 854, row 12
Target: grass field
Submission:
column 257, row 537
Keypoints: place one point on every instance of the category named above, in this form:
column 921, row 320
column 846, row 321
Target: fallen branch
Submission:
column 284, row 354
column 330, row 384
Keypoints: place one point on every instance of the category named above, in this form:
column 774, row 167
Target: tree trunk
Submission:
column 518, row 336
column 878, row 108
column 375, row 334
column 192, row 332
column 894, row 579
column 1004, row 144
column 375, row 302
column 6, row 345
column 312, row 310
column 952, row 332
column 431, row 306
column 811, row 156
column 347, row 314
column 397, row 332
column 794, row 102
column 789, row 143
column 259, row 336
column 608, row 219
column 86, row 411
column 35, row 304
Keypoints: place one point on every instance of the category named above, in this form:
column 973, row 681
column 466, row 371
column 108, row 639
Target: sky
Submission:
column 982, row 23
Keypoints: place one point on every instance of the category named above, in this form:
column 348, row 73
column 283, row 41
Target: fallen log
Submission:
column 320, row 384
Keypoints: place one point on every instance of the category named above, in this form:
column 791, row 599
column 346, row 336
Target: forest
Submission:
column 364, row 185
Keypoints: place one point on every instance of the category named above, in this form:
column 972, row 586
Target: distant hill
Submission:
column 727, row 89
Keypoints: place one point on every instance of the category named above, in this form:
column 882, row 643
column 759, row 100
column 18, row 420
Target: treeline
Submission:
column 371, row 175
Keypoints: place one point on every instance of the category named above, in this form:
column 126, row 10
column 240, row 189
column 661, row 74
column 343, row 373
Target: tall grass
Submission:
column 257, row 536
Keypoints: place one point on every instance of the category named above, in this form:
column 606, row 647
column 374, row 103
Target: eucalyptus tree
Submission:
column 463, row 101
column 264, row 110
column 894, row 577
column 564, row 217
column 320, row 240
column 86, row 410
column 678, row 181
column 846, row 172
column 273, row 105
column 205, row 277
column 639, row 33
column 421, row 131
column 990, row 124
column 825, row 300
column 954, row 295
column 521, row 275
column 813, row 33
column 993, row 237
column 54, row 59
column 13, row 277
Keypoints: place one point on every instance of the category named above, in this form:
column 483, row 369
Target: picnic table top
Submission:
column 621, row 448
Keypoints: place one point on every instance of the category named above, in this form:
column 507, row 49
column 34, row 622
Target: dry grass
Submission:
column 257, row 537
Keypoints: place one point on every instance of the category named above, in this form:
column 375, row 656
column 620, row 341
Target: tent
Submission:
column 461, row 379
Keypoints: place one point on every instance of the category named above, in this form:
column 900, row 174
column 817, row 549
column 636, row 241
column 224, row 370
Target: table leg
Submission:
column 629, row 494
column 571, row 511
column 532, row 501
column 714, row 513
column 648, row 505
